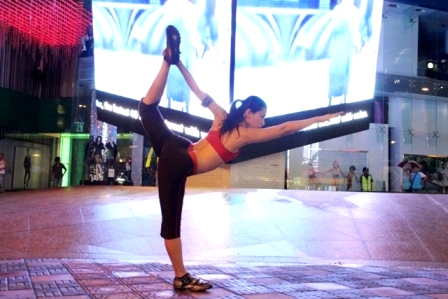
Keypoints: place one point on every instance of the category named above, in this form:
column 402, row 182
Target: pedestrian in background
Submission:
column 27, row 167
column 406, row 184
column 349, row 177
column 3, row 167
column 366, row 180
column 58, row 170
column 418, row 178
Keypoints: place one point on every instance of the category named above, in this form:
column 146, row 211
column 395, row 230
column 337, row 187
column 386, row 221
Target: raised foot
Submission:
column 172, row 52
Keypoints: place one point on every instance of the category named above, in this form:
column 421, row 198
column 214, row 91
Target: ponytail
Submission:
column 236, row 113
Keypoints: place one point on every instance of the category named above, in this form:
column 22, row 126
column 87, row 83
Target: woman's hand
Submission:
column 331, row 115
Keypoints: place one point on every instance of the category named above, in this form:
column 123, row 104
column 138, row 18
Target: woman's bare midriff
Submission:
column 206, row 156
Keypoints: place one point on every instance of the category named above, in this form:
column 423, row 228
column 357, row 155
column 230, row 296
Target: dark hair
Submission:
column 364, row 169
column 57, row 159
column 236, row 113
column 352, row 167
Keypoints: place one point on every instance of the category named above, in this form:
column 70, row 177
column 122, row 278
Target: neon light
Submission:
column 117, row 109
column 194, row 131
column 56, row 23
column 340, row 119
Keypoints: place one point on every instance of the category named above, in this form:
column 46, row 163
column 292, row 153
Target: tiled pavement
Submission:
column 82, row 279
column 83, row 234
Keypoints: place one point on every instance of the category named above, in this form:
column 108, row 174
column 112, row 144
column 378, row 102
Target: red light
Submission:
column 52, row 22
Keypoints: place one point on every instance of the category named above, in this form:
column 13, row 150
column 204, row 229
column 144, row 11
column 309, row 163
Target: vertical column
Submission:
column 66, row 156
column 446, row 41
column 137, row 159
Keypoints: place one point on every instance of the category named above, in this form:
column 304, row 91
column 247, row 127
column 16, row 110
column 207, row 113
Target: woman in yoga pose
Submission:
column 180, row 158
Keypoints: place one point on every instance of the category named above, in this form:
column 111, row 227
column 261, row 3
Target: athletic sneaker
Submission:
column 173, row 44
column 189, row 282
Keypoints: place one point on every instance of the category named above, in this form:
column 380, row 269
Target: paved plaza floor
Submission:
column 103, row 242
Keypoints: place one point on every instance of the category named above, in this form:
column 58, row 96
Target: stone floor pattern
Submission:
column 81, row 279
column 100, row 242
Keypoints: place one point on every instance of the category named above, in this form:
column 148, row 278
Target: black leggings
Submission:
column 174, row 166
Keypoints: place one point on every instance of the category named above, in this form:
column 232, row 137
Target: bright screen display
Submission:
column 306, row 56
column 129, row 38
column 296, row 55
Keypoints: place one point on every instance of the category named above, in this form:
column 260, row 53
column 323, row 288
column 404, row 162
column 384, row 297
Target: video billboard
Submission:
column 296, row 55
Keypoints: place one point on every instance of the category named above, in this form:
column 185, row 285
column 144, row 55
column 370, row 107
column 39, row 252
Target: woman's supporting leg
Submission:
column 174, row 250
column 174, row 166
column 157, row 88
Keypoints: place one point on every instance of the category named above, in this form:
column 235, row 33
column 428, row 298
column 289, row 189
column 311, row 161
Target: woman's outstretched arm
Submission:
column 265, row 134
column 201, row 95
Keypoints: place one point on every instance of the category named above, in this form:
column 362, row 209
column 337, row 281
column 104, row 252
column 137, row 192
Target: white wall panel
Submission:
column 373, row 143
column 266, row 173
column 442, row 117
column 218, row 178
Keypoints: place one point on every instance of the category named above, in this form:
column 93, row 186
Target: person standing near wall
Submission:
column 98, row 159
column 111, row 152
column 89, row 152
column 27, row 166
column 151, row 166
column 313, row 181
column 336, row 171
column 3, row 167
column 58, row 170
column 406, row 184
column 349, row 177
column 418, row 178
column 111, row 156
column 366, row 180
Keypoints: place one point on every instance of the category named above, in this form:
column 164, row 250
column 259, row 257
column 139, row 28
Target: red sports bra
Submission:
column 215, row 142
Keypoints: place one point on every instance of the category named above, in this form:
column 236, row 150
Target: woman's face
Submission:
column 255, row 119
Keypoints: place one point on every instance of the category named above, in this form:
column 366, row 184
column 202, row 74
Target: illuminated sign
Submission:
column 123, row 113
column 191, row 132
column 195, row 133
column 133, row 113
column 350, row 116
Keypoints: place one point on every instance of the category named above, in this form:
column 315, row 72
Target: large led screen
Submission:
column 297, row 55
column 306, row 54
column 129, row 38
